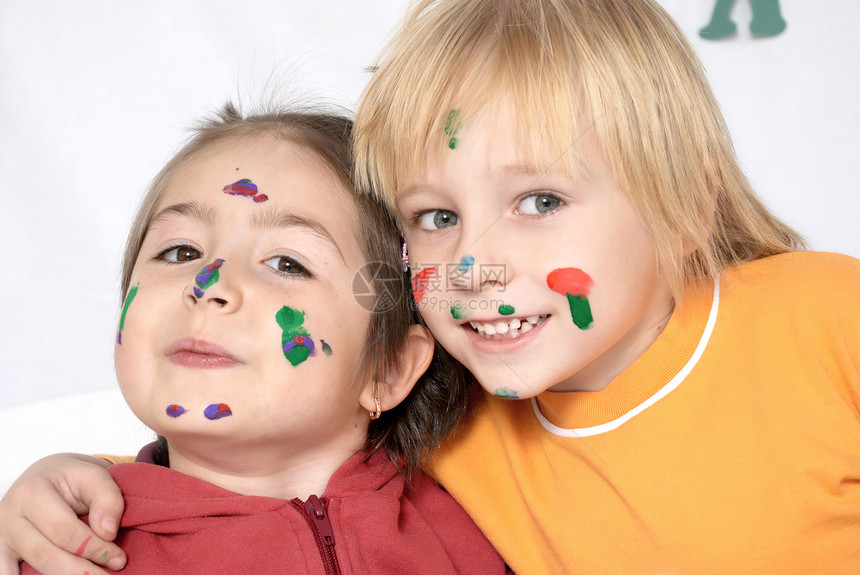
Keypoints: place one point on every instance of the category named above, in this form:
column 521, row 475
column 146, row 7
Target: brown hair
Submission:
column 434, row 407
column 620, row 67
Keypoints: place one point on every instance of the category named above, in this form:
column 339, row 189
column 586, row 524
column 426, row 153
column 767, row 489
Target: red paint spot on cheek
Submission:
column 83, row 547
column 420, row 281
column 571, row 281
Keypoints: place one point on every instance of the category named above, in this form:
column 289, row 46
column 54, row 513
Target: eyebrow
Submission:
column 191, row 210
column 506, row 171
column 270, row 219
column 265, row 219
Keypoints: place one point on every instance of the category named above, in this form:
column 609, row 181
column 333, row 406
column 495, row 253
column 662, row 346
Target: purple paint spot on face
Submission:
column 247, row 188
column 300, row 340
column 198, row 292
column 174, row 410
column 217, row 411
column 207, row 277
column 325, row 347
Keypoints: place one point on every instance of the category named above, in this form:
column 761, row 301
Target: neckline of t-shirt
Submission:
column 670, row 386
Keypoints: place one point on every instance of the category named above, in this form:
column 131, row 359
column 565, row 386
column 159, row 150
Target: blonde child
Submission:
column 281, row 400
column 669, row 385
column 687, row 383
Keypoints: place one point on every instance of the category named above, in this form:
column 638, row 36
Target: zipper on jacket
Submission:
column 317, row 518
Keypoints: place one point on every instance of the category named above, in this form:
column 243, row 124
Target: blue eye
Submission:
column 437, row 220
column 538, row 204
column 287, row 266
column 179, row 254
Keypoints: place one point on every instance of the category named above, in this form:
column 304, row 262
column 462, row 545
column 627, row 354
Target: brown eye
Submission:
column 180, row 254
column 286, row 266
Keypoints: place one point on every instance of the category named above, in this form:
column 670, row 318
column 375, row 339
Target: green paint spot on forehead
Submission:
column 452, row 126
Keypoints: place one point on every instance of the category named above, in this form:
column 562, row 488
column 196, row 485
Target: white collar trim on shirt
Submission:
column 663, row 392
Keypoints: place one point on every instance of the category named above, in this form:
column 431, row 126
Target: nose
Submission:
column 480, row 262
column 211, row 288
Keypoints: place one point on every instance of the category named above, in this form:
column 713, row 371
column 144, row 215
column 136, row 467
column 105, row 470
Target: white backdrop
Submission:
column 95, row 95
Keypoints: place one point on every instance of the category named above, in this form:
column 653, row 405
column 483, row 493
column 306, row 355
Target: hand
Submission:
column 39, row 517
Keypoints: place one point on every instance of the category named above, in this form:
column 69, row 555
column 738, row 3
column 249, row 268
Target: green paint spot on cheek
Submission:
column 506, row 309
column 289, row 318
column 507, row 393
column 296, row 342
column 297, row 355
column 580, row 311
column 128, row 299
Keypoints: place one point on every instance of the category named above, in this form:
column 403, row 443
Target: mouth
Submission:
column 200, row 354
column 507, row 329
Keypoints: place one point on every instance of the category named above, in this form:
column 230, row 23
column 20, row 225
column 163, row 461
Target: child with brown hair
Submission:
column 669, row 385
column 286, row 409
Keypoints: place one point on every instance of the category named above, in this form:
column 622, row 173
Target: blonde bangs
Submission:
column 446, row 66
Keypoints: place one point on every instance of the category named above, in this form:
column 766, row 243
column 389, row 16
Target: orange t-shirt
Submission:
column 731, row 446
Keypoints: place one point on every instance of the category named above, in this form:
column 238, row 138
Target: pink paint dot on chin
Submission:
column 571, row 281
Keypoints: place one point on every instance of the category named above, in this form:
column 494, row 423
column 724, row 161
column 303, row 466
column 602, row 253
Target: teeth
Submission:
column 511, row 329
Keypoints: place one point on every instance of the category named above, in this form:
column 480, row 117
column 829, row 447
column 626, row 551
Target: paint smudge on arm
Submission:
column 506, row 309
column 128, row 299
column 295, row 339
column 174, row 410
column 575, row 284
column 217, row 411
column 420, row 282
column 507, row 393
column 247, row 188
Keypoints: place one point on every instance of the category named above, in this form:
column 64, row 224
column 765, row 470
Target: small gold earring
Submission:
column 378, row 412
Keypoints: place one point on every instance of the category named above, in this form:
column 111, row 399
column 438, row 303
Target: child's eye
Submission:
column 178, row 254
column 437, row 220
column 286, row 265
column 537, row 204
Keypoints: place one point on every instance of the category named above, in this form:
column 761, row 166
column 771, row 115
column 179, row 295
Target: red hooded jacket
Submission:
column 368, row 521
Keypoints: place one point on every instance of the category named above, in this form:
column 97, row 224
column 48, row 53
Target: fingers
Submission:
column 43, row 556
column 92, row 489
column 8, row 561
column 39, row 522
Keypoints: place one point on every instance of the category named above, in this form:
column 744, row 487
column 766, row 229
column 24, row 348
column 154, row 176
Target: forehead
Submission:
column 494, row 139
column 292, row 177
column 291, row 171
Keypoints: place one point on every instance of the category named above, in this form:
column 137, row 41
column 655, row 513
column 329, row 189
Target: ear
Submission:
column 414, row 359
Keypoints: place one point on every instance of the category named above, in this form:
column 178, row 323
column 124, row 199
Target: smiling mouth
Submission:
column 509, row 329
